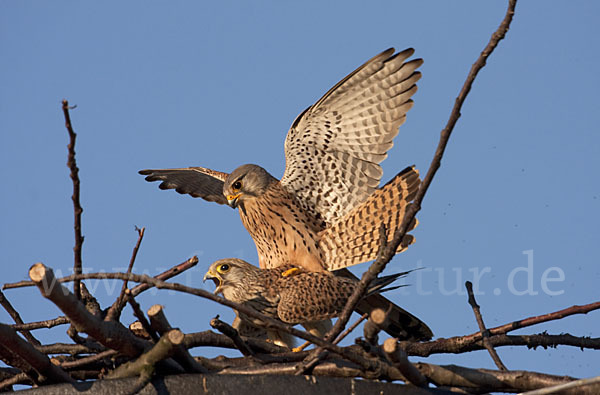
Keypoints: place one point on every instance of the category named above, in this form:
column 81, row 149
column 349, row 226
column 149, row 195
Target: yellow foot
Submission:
column 291, row 272
column 301, row 348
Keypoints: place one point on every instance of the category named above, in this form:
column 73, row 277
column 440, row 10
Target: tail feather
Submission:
column 380, row 283
column 355, row 238
column 400, row 323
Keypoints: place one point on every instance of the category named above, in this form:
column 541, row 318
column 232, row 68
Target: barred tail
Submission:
column 355, row 237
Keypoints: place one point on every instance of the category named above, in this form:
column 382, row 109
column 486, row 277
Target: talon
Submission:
column 290, row 272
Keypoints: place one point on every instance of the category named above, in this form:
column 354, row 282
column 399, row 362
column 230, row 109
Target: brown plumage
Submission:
column 326, row 211
column 305, row 298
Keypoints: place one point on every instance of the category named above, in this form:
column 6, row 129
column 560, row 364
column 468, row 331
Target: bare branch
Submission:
column 162, row 350
column 233, row 334
column 351, row 328
column 401, row 362
column 456, row 345
column 41, row 324
column 77, row 209
column 135, row 291
column 40, row 362
column 117, row 307
column 111, row 334
column 212, row 339
column 39, row 272
column 159, row 322
column 583, row 386
column 139, row 314
column 88, row 360
column 485, row 380
column 15, row 316
column 485, row 335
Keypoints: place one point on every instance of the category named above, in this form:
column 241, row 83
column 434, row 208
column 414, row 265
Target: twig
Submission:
column 456, row 345
column 309, row 364
column 167, row 274
column 115, row 310
column 577, row 385
column 485, row 335
column 17, row 318
column 71, row 349
column 233, row 334
column 72, row 164
column 401, row 362
column 351, row 328
column 41, row 324
column 135, row 291
column 139, row 314
column 40, row 362
column 87, row 360
column 212, row 339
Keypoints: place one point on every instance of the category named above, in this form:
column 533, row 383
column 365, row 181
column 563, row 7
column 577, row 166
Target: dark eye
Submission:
column 223, row 268
column 237, row 185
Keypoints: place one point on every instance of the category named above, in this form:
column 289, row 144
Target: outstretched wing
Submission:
column 195, row 181
column 334, row 148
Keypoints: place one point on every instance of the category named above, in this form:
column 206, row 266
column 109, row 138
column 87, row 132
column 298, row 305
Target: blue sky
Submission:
column 217, row 84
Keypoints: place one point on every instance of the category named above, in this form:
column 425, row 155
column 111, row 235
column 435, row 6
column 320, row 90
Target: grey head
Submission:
column 246, row 182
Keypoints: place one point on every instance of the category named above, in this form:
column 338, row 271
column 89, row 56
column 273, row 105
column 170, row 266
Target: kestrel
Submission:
column 305, row 298
column 327, row 210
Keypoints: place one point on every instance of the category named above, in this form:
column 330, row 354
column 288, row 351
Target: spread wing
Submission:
column 195, row 181
column 334, row 148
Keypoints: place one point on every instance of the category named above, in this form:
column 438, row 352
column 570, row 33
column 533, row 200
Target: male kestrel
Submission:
column 305, row 298
column 326, row 211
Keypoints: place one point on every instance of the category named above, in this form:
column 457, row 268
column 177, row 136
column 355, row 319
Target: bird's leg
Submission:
column 302, row 347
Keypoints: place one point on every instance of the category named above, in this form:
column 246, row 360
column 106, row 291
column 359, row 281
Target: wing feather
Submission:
column 195, row 181
column 334, row 148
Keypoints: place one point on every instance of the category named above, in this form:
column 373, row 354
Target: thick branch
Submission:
column 401, row 362
column 40, row 362
column 159, row 322
column 485, row 380
column 163, row 349
column 111, row 334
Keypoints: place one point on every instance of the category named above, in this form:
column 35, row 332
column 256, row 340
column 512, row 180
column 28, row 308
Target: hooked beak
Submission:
column 210, row 275
column 233, row 200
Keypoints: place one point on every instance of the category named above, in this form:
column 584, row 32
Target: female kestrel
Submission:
column 305, row 298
